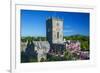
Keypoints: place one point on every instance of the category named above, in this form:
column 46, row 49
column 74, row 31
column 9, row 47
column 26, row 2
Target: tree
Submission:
column 68, row 56
column 42, row 60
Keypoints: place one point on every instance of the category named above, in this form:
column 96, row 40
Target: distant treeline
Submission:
column 29, row 38
column 84, row 40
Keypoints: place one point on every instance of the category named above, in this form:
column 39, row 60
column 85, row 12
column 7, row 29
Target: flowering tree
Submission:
column 74, row 48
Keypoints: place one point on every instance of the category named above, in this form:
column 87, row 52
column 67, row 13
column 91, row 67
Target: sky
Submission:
column 33, row 22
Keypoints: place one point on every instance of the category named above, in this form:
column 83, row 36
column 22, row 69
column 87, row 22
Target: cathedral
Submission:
column 55, row 43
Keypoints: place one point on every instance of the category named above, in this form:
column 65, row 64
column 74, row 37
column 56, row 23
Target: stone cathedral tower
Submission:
column 54, row 30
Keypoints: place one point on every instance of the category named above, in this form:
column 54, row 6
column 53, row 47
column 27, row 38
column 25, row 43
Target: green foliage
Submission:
column 33, row 59
column 85, row 46
column 42, row 60
column 68, row 56
column 29, row 38
column 24, row 58
column 54, row 58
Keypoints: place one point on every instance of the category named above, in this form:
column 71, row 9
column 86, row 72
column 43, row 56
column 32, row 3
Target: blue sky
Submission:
column 33, row 23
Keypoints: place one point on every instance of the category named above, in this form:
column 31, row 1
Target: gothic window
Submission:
column 58, row 35
column 54, row 35
column 57, row 24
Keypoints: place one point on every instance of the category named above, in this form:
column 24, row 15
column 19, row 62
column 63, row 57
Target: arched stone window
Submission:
column 58, row 35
